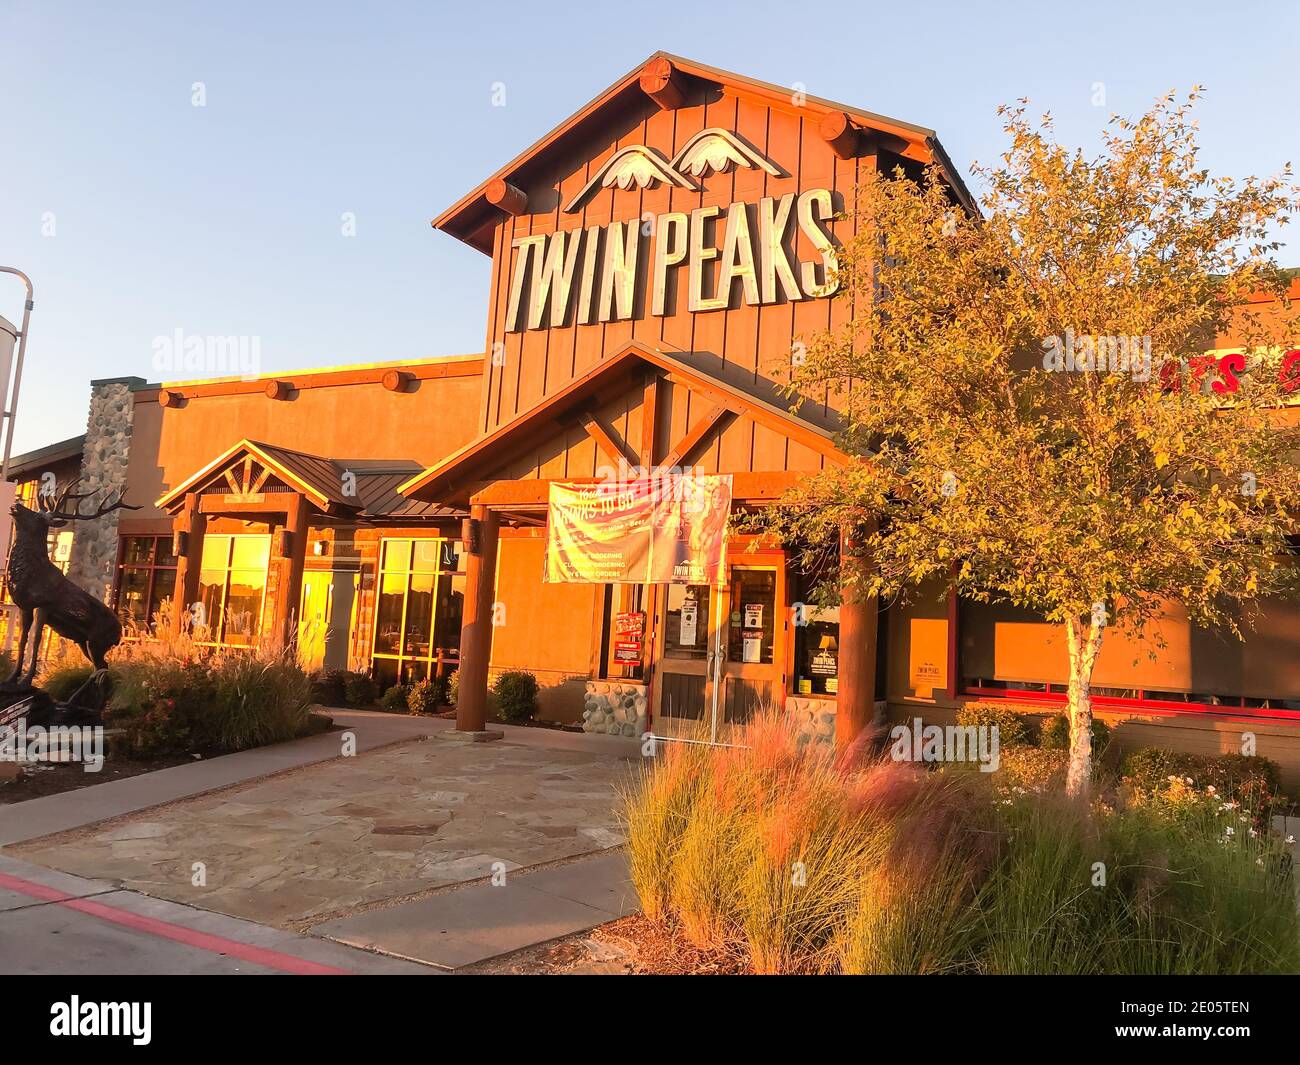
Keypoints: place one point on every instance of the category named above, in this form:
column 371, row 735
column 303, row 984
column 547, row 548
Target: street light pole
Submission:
column 11, row 407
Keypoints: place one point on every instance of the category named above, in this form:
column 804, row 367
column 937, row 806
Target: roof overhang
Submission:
column 314, row 486
column 453, row 479
column 474, row 216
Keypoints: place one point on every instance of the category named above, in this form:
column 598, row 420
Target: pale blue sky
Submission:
column 225, row 219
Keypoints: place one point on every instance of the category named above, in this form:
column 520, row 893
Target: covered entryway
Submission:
column 710, row 657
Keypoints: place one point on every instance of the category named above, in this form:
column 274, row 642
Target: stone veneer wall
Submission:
column 615, row 707
column 103, row 470
column 814, row 719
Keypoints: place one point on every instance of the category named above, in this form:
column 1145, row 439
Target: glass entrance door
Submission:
column 720, row 653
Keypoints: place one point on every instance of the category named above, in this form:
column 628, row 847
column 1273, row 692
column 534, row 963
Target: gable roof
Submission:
column 321, row 481
column 471, row 217
column 476, row 459
column 43, row 457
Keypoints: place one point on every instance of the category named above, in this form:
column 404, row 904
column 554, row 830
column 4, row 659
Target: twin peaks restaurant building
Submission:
column 656, row 259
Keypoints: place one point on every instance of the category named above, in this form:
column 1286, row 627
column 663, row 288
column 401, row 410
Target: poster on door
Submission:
column 669, row 529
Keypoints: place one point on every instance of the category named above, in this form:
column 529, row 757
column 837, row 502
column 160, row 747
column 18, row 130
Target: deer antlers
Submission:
column 55, row 511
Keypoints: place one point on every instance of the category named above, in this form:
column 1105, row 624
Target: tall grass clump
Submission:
column 788, row 860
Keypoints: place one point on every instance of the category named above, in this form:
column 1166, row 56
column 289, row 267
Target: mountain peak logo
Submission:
column 713, row 150
column 718, row 150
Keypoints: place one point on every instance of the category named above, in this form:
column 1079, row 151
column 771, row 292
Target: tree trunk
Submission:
column 1084, row 644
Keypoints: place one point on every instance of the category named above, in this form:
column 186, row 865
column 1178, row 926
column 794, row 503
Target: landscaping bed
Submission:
column 775, row 858
column 43, row 779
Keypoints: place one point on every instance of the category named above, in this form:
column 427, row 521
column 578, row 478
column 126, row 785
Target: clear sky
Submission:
column 138, row 214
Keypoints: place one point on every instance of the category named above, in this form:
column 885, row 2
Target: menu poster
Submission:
column 690, row 620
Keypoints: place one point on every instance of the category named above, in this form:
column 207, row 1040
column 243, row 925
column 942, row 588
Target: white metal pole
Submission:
column 11, row 407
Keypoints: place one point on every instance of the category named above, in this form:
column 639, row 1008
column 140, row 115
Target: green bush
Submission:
column 394, row 698
column 329, row 687
column 227, row 702
column 359, row 689
column 1014, row 730
column 62, row 683
column 1251, row 781
column 1055, row 734
column 453, row 688
column 424, row 697
column 516, row 692
column 256, row 702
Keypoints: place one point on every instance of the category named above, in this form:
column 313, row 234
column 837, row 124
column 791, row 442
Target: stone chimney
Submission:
column 103, row 470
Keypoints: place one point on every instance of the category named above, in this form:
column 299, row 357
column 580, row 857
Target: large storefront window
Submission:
column 232, row 587
column 418, row 615
column 1005, row 649
column 146, row 576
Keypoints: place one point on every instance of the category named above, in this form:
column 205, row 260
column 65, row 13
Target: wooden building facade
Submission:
column 658, row 259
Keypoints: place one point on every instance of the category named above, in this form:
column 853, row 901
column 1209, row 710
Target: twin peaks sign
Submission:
column 585, row 276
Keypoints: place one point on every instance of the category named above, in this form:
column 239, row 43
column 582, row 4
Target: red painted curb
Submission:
column 271, row 959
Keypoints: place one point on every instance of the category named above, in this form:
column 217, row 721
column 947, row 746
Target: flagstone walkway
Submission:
column 333, row 839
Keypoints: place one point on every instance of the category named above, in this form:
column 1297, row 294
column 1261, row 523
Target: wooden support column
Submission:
column 476, row 621
column 857, row 662
column 292, row 562
column 188, row 528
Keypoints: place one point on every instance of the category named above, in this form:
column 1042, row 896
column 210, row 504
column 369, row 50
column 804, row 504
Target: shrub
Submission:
column 62, row 683
column 1014, row 730
column 328, row 687
column 1034, row 769
column 453, row 688
column 1252, row 782
column 359, row 689
column 256, row 702
column 516, row 692
column 1055, row 734
column 228, row 701
column 424, row 697
column 395, row 698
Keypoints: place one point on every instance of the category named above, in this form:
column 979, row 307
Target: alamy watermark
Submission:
column 57, row 743
column 185, row 355
column 919, row 742
column 1098, row 354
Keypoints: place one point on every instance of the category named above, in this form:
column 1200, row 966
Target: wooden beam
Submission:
column 507, row 197
column 604, row 440
column 694, row 435
column 664, row 84
column 838, row 130
column 649, row 418
column 533, row 494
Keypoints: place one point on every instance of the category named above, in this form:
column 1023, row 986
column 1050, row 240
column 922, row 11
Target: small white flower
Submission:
column 1259, row 861
column 1253, row 834
column 1228, row 831
column 1188, row 780
column 1290, row 839
column 1210, row 790
column 1243, row 820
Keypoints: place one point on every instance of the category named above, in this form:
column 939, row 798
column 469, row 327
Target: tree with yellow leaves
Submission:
column 1028, row 402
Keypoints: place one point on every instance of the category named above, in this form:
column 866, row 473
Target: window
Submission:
column 232, row 587
column 817, row 651
column 146, row 575
column 418, row 614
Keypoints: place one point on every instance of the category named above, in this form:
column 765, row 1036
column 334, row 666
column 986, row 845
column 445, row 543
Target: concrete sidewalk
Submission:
column 100, row 802
column 55, row 924
column 462, row 926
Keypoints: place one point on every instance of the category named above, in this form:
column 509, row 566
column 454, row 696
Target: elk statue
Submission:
column 46, row 597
